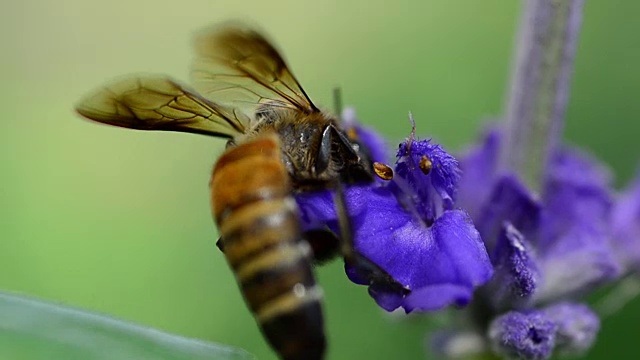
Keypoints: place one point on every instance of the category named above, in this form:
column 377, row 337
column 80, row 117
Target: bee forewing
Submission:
column 155, row 102
column 238, row 65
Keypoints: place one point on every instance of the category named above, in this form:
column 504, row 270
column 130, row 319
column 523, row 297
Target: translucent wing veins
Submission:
column 155, row 102
column 239, row 65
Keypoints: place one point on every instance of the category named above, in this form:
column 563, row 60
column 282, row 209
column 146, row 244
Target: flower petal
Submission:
column 578, row 264
column 577, row 327
column 523, row 335
column 478, row 165
column 511, row 202
column 626, row 227
column 437, row 296
column 574, row 251
column 576, row 194
column 516, row 273
column 441, row 265
column 430, row 173
column 441, row 261
column 571, row 165
column 316, row 209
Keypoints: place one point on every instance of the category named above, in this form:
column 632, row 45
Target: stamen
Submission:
column 384, row 172
column 425, row 164
column 352, row 134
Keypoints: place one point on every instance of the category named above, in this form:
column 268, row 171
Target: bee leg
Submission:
column 220, row 244
column 365, row 268
column 324, row 243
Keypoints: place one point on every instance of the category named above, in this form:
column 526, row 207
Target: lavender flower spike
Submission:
column 546, row 249
column 545, row 211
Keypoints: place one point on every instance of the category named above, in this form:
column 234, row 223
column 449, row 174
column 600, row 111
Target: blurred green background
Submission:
column 118, row 221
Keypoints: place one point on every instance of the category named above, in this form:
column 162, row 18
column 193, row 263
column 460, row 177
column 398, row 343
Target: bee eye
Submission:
column 425, row 164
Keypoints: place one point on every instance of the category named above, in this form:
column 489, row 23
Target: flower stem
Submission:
column 539, row 87
column 621, row 295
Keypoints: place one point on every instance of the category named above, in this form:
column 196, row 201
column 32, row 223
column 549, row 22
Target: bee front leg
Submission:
column 220, row 245
column 325, row 244
column 365, row 268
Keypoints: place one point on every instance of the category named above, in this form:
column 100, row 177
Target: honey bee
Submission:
column 279, row 144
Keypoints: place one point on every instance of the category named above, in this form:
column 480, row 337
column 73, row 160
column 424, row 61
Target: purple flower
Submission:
column 545, row 248
column 518, row 335
column 431, row 175
column 546, row 212
column 563, row 244
column 625, row 222
column 552, row 227
column 409, row 228
column 574, row 238
column 568, row 228
column 546, row 215
column 516, row 274
column 509, row 201
column 576, row 327
column 565, row 328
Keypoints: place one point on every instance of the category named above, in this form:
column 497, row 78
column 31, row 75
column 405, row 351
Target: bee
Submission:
column 279, row 144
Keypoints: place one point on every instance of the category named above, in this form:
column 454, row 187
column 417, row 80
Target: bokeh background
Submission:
column 118, row 221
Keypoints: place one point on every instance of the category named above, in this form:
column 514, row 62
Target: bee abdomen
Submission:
column 260, row 232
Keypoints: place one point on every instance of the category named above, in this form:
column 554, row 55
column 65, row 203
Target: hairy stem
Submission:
column 539, row 86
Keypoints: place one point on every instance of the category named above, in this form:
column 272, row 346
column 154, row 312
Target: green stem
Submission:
column 539, row 87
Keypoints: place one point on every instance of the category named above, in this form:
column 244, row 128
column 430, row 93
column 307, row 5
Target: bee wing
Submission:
column 234, row 63
column 155, row 102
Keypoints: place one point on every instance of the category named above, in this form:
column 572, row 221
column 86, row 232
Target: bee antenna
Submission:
column 337, row 101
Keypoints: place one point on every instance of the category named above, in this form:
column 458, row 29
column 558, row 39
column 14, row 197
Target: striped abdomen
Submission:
column 261, row 238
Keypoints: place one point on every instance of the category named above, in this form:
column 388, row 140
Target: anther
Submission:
column 383, row 171
column 425, row 164
column 352, row 134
